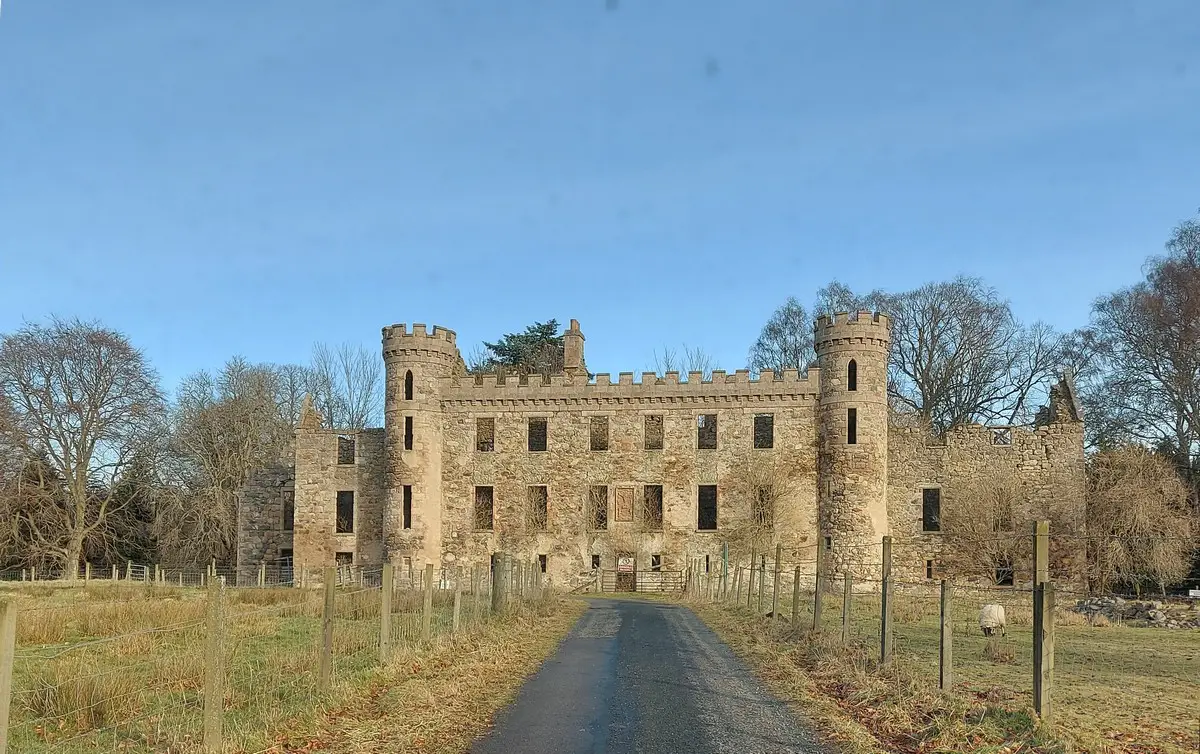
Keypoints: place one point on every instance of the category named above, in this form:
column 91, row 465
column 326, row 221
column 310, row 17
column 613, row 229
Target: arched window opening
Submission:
column 408, row 385
column 852, row 375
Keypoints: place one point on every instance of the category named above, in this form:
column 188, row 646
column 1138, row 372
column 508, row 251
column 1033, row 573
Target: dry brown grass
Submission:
column 438, row 699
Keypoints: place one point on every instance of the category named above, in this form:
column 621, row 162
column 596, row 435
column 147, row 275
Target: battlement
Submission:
column 843, row 326
column 399, row 337
column 790, row 382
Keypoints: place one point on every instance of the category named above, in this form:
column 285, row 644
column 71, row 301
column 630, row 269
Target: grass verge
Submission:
column 440, row 699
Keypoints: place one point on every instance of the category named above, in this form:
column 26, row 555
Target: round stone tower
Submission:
column 852, row 354
column 414, row 365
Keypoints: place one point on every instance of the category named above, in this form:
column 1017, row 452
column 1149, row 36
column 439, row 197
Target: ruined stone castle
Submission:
column 578, row 472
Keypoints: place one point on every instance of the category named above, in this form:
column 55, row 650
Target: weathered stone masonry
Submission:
column 821, row 485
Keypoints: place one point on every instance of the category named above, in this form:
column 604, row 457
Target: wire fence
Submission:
column 174, row 670
column 1056, row 650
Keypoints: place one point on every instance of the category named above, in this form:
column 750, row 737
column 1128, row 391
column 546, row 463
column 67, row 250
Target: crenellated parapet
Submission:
column 421, row 343
column 847, row 329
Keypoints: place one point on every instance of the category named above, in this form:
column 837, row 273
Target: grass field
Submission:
column 1116, row 688
column 122, row 667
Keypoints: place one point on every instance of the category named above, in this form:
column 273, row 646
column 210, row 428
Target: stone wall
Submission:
column 319, row 477
column 260, row 527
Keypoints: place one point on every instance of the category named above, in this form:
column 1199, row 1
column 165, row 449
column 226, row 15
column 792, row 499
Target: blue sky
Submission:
column 250, row 177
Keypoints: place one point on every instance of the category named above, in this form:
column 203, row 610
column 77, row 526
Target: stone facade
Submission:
column 805, row 461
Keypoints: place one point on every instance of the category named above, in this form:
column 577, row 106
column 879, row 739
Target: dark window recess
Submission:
column 408, row 385
column 483, row 508
column 707, row 564
column 706, row 508
column 851, row 426
column 344, row 558
column 654, row 432
column 537, row 434
column 599, row 433
column 852, row 375
column 764, row 430
column 763, row 506
column 289, row 510
column 485, row 435
column 652, row 506
column 542, row 563
column 408, row 506
column 345, row 512
column 929, row 569
column 706, row 432
column 1004, row 572
column 598, row 506
column 539, row 504
column 345, row 450
column 828, row 543
column 595, row 562
column 285, row 556
column 931, row 509
column 408, row 432
column 656, row 562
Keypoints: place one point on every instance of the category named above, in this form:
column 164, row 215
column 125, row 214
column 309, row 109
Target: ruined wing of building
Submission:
column 666, row 469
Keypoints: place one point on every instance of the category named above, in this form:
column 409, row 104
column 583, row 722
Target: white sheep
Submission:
column 991, row 620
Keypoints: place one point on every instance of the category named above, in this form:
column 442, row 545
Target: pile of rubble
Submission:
column 1154, row 614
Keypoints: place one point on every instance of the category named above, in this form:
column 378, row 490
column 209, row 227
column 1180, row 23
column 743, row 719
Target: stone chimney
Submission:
column 573, row 350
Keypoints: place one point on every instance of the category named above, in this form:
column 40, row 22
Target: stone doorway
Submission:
column 626, row 572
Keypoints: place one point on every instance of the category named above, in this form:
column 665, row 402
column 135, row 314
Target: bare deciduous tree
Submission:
column 82, row 403
column 684, row 360
column 982, row 520
column 346, row 383
column 1141, row 528
column 785, row 342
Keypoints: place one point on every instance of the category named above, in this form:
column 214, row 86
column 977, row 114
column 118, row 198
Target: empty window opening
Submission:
column 345, row 450
column 407, row 506
column 654, row 432
column 542, row 563
column 345, row 512
column 708, row 564
column 1004, row 571
column 828, row 543
column 929, row 569
column 764, row 430
column 485, row 434
column 408, row 432
column 285, row 557
column 539, row 504
column 344, row 558
column 595, row 562
column 763, row 506
column 851, row 426
column 656, row 562
column 408, row 393
column 537, row 434
column 852, row 375
column 1002, row 436
column 706, row 508
column 484, row 508
column 599, row 433
column 706, row 432
column 931, row 509
column 652, row 506
column 598, row 506
column 289, row 510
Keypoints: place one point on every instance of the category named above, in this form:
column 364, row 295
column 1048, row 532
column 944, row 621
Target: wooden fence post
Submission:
column 762, row 581
column 385, row 614
column 457, row 598
column 427, row 614
column 946, row 656
column 1043, row 648
column 847, row 595
column 476, row 588
column 8, row 641
column 214, row 671
column 885, row 612
column 819, row 587
column 750, row 583
column 1041, row 552
column 87, row 572
column 499, row 582
column 262, row 574
column 775, row 590
column 326, row 666
column 115, row 574
column 796, row 598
